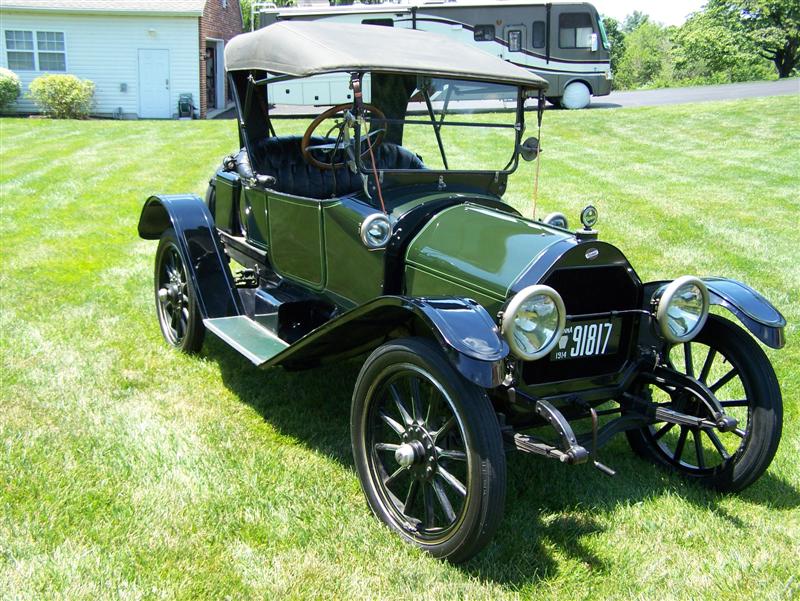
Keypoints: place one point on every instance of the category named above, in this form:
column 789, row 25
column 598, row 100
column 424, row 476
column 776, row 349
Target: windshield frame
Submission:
column 518, row 125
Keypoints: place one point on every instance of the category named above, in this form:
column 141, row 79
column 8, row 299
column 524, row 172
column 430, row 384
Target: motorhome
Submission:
column 563, row 42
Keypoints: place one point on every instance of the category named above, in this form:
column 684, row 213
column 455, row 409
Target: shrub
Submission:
column 9, row 87
column 62, row 96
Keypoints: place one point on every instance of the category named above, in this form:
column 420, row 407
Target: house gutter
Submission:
column 93, row 11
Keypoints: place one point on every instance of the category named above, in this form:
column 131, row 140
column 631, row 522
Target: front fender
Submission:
column 200, row 247
column 462, row 327
column 756, row 313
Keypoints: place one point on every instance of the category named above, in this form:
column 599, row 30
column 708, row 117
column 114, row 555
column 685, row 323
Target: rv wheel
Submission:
column 576, row 96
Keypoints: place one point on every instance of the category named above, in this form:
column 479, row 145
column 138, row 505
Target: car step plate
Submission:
column 249, row 338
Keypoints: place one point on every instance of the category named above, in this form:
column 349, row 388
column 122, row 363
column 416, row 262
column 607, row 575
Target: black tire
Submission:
column 736, row 369
column 176, row 303
column 456, row 446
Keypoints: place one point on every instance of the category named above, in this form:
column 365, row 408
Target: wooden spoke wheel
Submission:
column 176, row 306
column 428, row 449
column 729, row 361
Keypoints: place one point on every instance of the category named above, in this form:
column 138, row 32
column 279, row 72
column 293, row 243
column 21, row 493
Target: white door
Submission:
column 154, row 84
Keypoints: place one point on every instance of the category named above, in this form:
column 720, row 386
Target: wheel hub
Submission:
column 170, row 293
column 417, row 453
column 406, row 454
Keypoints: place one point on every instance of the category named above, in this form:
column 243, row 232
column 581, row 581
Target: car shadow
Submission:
column 548, row 505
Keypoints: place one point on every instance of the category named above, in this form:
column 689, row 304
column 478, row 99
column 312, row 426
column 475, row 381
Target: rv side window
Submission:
column 515, row 40
column 575, row 30
column 383, row 22
column 538, row 35
column 484, row 33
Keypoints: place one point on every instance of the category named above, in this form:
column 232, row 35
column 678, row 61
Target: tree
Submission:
column 773, row 26
column 709, row 50
column 648, row 57
column 634, row 20
column 617, row 41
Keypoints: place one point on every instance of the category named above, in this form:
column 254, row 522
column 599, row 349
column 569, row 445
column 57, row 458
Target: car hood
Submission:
column 480, row 248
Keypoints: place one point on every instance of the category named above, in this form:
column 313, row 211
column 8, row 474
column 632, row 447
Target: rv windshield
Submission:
column 603, row 34
column 436, row 124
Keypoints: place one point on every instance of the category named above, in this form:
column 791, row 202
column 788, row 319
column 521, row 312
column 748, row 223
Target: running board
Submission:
column 249, row 338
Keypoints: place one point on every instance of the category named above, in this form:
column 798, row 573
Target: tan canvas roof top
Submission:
column 302, row 48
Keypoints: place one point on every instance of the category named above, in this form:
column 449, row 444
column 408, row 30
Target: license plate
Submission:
column 588, row 339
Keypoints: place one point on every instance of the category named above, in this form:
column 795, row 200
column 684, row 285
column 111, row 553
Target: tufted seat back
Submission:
column 281, row 158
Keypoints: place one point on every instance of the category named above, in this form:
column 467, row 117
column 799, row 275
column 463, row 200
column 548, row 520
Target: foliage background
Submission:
column 726, row 41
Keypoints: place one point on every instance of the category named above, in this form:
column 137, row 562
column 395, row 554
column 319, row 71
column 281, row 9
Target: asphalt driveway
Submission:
column 731, row 91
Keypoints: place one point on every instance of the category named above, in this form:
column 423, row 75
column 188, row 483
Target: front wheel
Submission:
column 727, row 360
column 428, row 450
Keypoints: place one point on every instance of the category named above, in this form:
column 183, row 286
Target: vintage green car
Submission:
column 373, row 225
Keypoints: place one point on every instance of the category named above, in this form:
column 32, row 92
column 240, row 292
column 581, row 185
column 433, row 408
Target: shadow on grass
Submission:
column 548, row 506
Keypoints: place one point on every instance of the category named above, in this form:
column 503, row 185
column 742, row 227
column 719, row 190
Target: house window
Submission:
column 575, row 30
column 539, row 32
column 52, row 55
column 484, row 33
column 515, row 40
column 49, row 54
column 19, row 47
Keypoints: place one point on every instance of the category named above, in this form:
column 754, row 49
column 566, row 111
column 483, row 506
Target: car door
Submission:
column 296, row 240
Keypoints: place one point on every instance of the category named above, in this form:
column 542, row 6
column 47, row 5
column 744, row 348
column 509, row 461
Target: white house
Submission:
column 141, row 54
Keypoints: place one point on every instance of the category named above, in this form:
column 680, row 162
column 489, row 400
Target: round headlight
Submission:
column 682, row 308
column 533, row 322
column 376, row 231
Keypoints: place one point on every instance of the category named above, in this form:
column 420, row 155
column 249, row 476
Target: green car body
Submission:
column 482, row 325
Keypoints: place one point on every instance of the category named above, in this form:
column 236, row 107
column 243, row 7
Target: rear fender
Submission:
column 755, row 312
column 200, row 247
column 462, row 327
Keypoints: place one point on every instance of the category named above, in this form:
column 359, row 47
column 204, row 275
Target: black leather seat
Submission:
column 281, row 158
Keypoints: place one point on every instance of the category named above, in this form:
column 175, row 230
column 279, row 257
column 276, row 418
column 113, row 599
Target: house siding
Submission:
column 217, row 23
column 104, row 49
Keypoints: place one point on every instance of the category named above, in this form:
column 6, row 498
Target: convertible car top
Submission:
column 303, row 49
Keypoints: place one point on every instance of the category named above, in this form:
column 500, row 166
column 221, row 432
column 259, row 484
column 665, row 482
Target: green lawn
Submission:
column 129, row 471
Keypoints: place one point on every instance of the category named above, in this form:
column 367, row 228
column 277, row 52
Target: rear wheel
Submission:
column 428, row 450
column 734, row 367
column 176, row 304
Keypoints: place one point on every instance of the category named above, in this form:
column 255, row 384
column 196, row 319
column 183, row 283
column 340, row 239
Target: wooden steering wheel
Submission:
column 305, row 145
